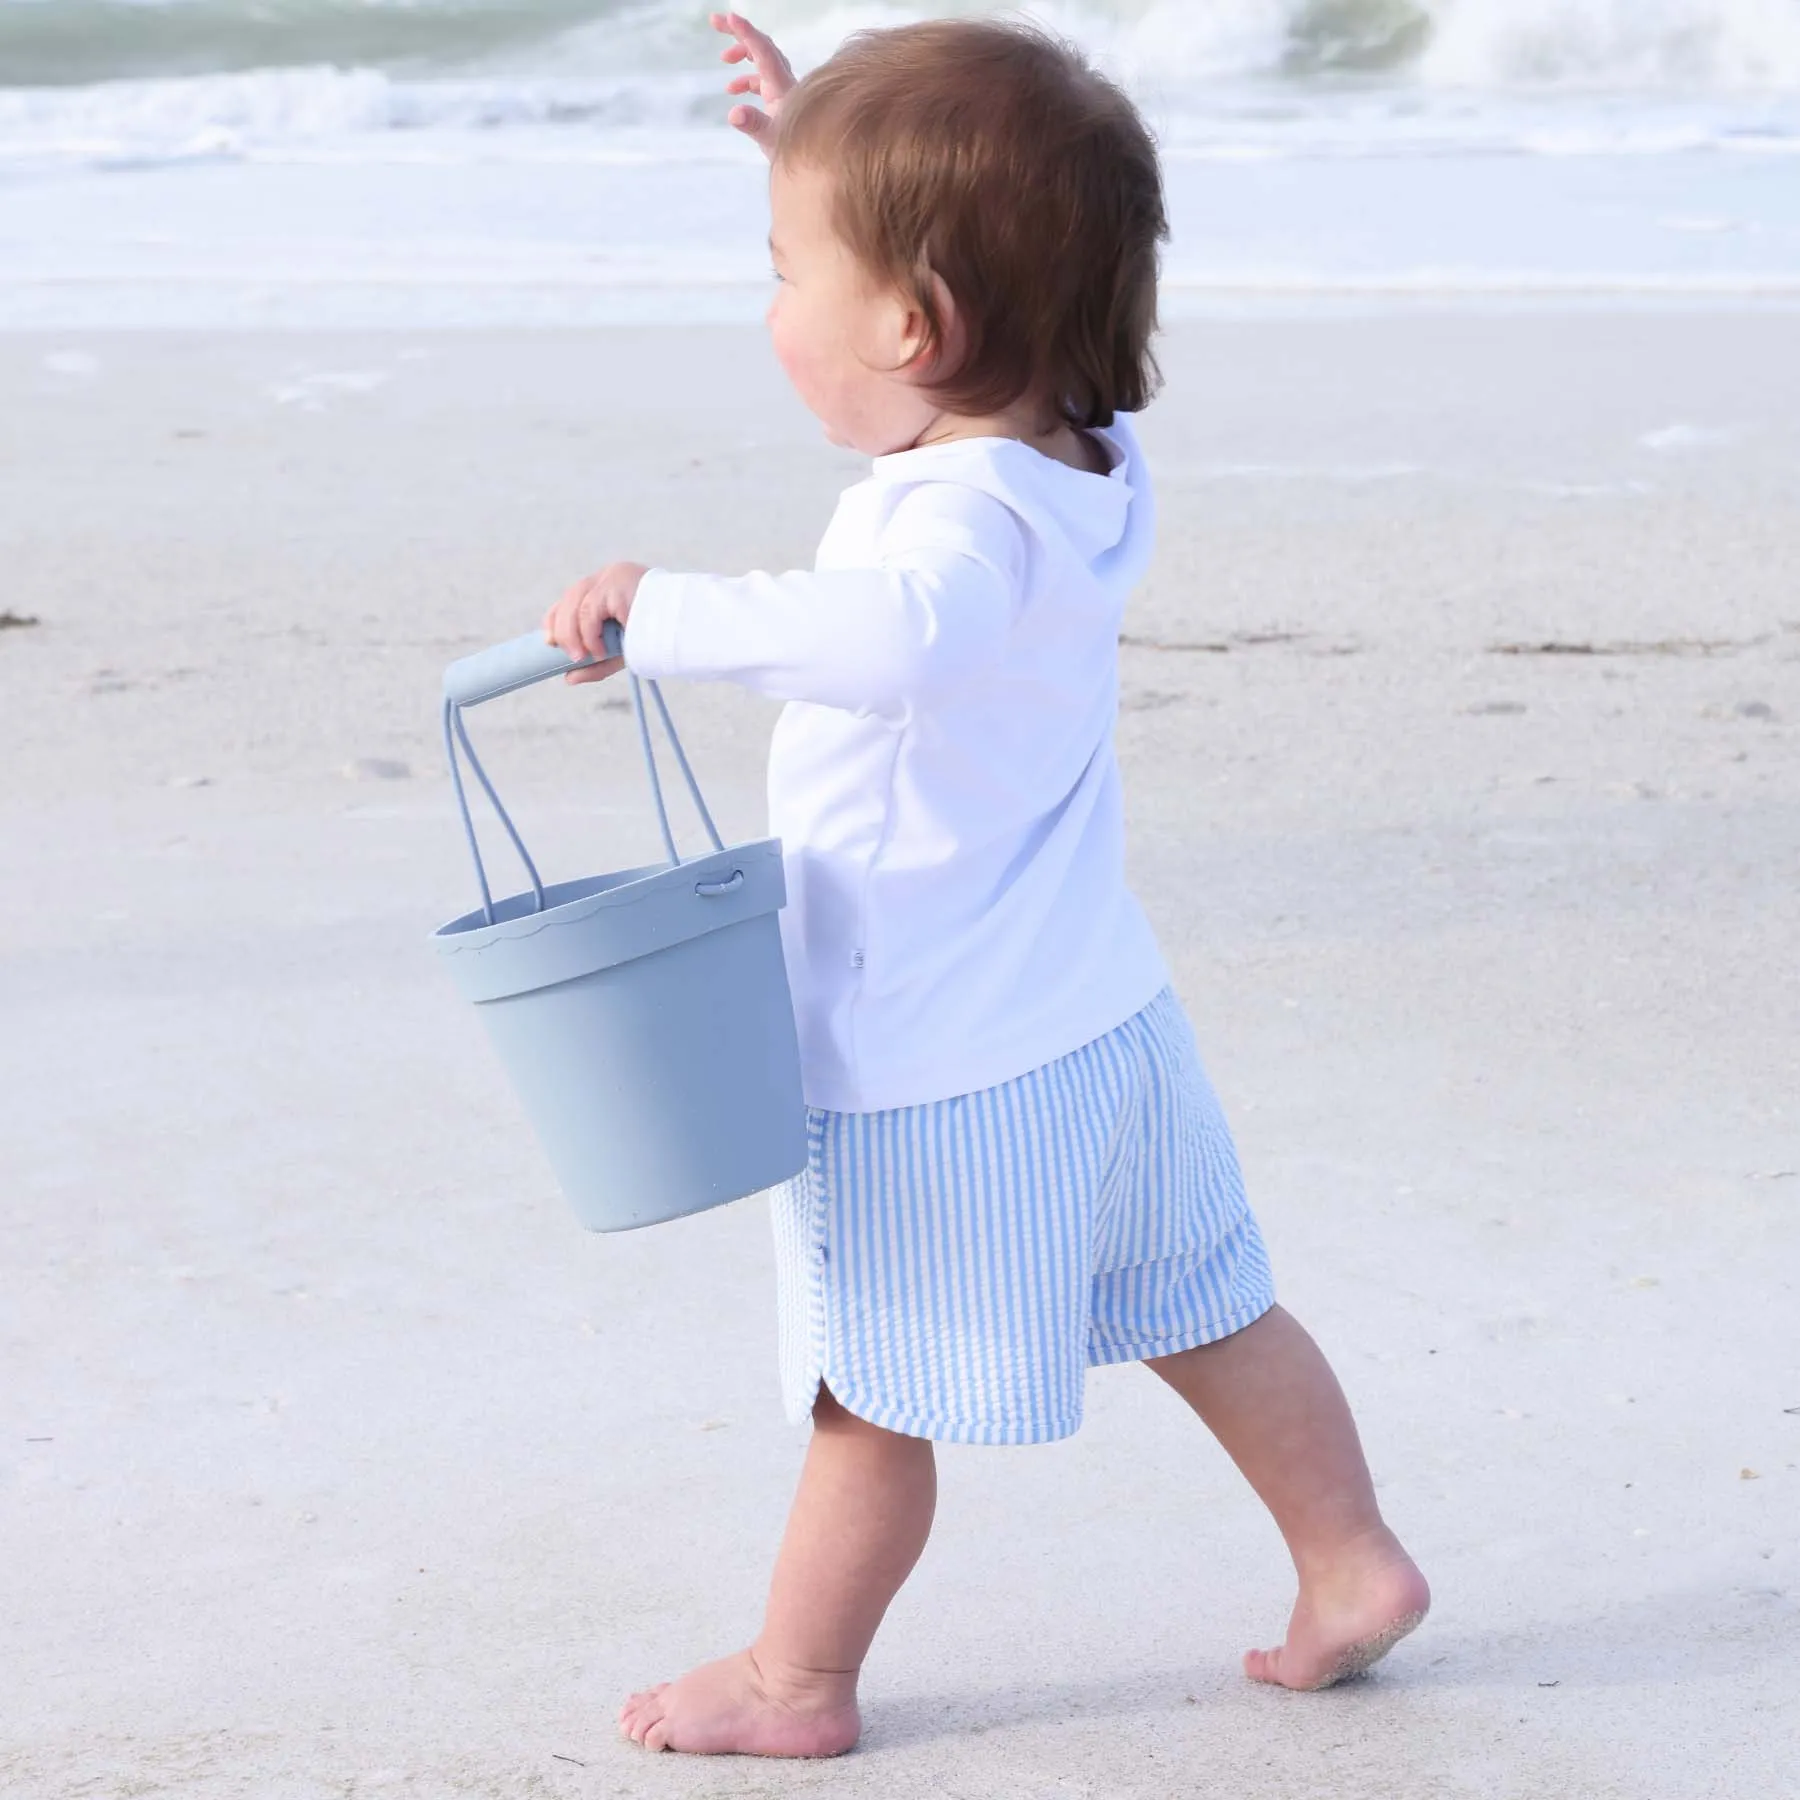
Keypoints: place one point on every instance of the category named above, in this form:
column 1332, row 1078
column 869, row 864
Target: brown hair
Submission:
column 991, row 156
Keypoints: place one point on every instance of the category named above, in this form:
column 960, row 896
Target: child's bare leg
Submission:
column 1268, row 1395
column 858, row 1524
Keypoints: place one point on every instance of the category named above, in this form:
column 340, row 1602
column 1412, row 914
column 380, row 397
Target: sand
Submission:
column 1462, row 735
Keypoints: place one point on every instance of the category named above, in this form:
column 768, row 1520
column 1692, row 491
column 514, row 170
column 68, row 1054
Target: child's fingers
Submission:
column 761, row 49
column 745, row 84
column 753, row 123
column 737, row 49
column 577, row 623
column 747, row 34
column 562, row 624
column 594, row 614
column 557, row 627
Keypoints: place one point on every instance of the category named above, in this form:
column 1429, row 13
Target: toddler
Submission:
column 1017, row 1166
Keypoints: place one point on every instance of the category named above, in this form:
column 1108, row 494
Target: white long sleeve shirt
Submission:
column 943, row 778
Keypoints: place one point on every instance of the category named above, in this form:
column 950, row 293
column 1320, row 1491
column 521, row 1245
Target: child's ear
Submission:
column 922, row 358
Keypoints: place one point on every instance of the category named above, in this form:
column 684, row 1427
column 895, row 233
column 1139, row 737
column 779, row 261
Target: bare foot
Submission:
column 1346, row 1618
column 734, row 1707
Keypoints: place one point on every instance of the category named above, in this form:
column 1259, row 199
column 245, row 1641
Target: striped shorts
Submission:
column 952, row 1270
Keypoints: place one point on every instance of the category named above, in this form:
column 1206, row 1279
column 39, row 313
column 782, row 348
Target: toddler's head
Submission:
column 965, row 227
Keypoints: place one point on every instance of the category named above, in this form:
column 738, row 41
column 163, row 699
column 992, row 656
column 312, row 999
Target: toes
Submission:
column 1278, row 1668
column 641, row 1712
column 1275, row 1667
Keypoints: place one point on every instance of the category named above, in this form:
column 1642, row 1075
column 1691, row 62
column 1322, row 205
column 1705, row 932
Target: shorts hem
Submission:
column 1104, row 1354
column 907, row 1423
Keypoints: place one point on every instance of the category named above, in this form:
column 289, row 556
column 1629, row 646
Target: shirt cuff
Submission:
column 654, row 628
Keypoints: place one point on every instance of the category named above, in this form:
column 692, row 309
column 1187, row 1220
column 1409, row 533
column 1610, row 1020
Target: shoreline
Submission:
column 652, row 307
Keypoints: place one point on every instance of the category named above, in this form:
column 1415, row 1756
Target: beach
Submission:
column 1460, row 726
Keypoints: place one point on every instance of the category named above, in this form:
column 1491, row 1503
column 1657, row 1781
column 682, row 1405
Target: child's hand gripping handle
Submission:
column 515, row 664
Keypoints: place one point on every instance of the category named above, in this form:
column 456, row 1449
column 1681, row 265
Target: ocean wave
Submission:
column 370, row 115
column 1243, row 79
column 1687, row 45
column 277, row 112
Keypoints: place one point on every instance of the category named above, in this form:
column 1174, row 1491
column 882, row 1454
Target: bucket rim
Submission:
column 470, row 932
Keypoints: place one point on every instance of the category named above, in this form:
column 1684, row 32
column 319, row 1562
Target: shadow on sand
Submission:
column 1667, row 1639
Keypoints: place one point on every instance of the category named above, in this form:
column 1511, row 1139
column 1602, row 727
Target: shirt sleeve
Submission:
column 931, row 611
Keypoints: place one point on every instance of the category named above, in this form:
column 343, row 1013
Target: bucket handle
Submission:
column 519, row 663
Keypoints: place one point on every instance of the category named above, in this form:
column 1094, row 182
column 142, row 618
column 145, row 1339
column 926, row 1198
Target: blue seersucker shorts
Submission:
column 952, row 1270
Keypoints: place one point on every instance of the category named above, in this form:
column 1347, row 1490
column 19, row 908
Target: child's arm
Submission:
column 931, row 611
column 865, row 640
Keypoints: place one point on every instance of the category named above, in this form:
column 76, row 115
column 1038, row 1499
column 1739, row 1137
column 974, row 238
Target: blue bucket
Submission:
column 644, row 1017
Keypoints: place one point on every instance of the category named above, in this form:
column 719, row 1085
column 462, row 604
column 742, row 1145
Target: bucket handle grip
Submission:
column 519, row 663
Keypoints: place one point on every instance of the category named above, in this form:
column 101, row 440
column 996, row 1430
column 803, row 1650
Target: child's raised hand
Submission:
column 576, row 622
column 771, row 78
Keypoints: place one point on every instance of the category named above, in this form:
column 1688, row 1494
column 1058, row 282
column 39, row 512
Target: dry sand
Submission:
column 1462, row 734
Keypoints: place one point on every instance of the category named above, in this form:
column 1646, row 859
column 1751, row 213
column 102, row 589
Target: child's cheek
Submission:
column 797, row 352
